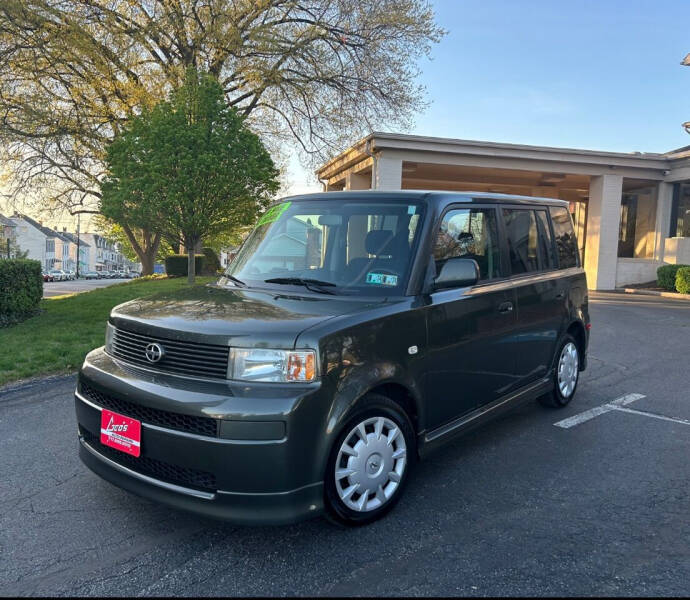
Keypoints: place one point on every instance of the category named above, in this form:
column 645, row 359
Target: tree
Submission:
column 190, row 166
column 73, row 72
column 148, row 254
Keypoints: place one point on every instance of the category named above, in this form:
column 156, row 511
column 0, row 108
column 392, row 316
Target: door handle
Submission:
column 560, row 295
column 505, row 307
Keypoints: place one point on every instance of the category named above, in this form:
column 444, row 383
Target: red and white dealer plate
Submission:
column 120, row 432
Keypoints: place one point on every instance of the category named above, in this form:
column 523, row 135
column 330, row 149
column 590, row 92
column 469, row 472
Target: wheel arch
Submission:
column 578, row 331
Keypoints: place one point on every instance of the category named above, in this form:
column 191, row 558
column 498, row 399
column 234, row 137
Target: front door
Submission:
column 469, row 362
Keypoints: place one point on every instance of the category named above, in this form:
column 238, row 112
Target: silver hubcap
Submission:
column 370, row 464
column 568, row 369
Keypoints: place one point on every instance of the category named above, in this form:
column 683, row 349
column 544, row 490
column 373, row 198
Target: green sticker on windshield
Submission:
column 273, row 213
column 382, row 279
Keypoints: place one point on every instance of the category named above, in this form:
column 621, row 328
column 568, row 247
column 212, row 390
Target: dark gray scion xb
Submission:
column 353, row 333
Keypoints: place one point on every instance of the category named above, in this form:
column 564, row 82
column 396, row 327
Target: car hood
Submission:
column 234, row 317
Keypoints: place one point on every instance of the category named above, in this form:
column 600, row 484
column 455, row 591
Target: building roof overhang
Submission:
column 376, row 142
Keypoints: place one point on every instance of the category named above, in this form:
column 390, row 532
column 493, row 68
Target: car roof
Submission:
column 437, row 198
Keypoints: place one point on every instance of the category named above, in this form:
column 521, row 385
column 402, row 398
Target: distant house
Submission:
column 38, row 241
column 84, row 249
column 8, row 235
column 63, row 252
column 104, row 254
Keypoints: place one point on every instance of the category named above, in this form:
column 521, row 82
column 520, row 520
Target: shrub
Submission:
column 176, row 264
column 683, row 280
column 21, row 289
column 666, row 276
column 211, row 261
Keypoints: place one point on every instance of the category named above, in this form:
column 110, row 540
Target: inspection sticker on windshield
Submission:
column 273, row 213
column 382, row 279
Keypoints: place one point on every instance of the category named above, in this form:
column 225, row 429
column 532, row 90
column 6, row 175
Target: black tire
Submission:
column 555, row 398
column 371, row 405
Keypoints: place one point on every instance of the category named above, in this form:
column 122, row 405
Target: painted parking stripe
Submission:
column 598, row 410
column 644, row 413
column 620, row 405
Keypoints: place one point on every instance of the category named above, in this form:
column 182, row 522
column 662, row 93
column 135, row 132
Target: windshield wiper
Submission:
column 236, row 281
column 311, row 284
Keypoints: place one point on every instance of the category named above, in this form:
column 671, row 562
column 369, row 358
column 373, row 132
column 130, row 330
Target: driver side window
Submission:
column 470, row 233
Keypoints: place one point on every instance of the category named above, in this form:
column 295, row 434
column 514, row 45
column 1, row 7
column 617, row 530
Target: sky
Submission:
column 593, row 74
column 600, row 75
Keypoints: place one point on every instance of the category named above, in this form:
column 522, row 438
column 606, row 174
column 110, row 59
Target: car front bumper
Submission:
column 262, row 466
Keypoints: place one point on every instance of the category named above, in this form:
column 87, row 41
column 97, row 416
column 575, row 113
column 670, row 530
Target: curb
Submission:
column 25, row 384
column 642, row 292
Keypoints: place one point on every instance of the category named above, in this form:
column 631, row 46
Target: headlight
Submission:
column 109, row 333
column 259, row 364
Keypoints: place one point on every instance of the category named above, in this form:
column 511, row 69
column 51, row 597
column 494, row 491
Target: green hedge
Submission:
column 21, row 289
column 176, row 265
column 211, row 261
column 683, row 280
column 666, row 276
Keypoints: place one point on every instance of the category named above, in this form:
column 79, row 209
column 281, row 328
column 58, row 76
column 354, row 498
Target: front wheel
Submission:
column 369, row 463
column 565, row 374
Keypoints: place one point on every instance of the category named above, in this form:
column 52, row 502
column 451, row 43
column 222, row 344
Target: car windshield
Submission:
column 331, row 246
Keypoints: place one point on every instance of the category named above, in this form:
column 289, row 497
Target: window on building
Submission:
column 637, row 232
column 50, row 245
column 470, row 233
column 566, row 243
column 681, row 226
column 521, row 231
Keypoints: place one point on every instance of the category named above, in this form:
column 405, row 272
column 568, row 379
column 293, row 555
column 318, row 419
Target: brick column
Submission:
column 603, row 224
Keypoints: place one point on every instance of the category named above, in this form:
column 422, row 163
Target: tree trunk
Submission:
column 147, row 264
column 147, row 250
column 191, row 264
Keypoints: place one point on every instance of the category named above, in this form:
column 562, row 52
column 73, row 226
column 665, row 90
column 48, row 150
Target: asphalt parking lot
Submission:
column 596, row 506
column 58, row 288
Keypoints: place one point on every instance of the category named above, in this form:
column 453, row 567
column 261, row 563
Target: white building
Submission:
column 631, row 210
column 37, row 240
column 104, row 254
column 8, row 236
column 78, row 244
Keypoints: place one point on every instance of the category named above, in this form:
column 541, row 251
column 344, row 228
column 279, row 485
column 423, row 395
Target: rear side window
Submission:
column 470, row 233
column 548, row 256
column 521, row 231
column 566, row 244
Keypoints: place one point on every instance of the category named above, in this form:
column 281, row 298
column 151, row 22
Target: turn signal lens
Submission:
column 301, row 366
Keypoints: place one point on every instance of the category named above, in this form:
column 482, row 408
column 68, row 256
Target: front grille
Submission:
column 163, row 418
column 185, row 358
column 152, row 467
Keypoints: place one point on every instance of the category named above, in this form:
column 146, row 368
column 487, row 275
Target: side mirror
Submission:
column 457, row 272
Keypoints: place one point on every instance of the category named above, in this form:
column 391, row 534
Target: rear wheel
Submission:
column 566, row 374
column 369, row 462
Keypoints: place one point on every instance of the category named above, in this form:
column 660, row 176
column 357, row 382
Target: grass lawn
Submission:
column 57, row 340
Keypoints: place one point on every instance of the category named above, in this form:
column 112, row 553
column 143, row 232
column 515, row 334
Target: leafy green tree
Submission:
column 316, row 73
column 190, row 168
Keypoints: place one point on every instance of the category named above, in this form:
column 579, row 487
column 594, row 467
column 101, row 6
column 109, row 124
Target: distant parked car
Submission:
column 91, row 275
column 71, row 275
column 47, row 276
column 57, row 275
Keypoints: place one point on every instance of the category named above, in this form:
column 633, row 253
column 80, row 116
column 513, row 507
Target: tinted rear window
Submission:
column 566, row 244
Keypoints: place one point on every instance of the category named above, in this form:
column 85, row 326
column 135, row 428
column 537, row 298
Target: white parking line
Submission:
column 599, row 410
column 619, row 404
